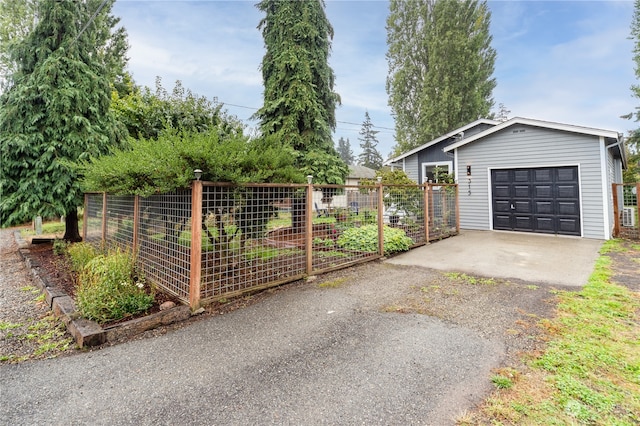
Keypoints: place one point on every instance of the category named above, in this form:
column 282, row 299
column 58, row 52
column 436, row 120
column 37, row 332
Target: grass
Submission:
column 468, row 279
column 333, row 283
column 52, row 227
column 590, row 370
column 46, row 337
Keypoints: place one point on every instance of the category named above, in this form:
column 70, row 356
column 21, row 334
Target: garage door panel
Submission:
column 568, row 208
column 501, row 176
column 502, row 206
column 543, row 191
column 544, row 200
column 567, row 174
column 522, row 191
column 521, row 176
column 544, row 207
column 502, row 191
column 542, row 175
column 569, row 226
column 523, row 223
column 545, row 224
column 568, row 191
column 502, row 221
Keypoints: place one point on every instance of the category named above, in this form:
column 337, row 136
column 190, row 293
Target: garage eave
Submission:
column 608, row 134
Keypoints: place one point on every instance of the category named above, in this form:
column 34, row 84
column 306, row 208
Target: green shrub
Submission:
column 80, row 254
column 365, row 239
column 109, row 288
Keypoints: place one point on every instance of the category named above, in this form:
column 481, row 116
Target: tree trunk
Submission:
column 71, row 232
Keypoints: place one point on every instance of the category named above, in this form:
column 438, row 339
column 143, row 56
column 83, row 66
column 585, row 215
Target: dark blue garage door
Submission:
column 544, row 200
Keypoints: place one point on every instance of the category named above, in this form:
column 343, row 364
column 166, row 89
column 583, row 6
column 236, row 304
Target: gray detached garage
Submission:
column 536, row 176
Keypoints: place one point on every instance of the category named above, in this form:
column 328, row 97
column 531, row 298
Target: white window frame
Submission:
column 441, row 164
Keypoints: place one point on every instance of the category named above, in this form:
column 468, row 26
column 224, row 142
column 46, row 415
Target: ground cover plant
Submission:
column 109, row 286
column 590, row 370
column 365, row 239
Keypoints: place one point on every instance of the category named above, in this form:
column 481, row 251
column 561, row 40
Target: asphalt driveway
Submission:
column 525, row 256
column 380, row 343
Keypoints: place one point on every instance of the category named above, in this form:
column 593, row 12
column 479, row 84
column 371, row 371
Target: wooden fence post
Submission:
column 380, row 219
column 308, row 226
column 195, row 274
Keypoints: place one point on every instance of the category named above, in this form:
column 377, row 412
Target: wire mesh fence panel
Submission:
column 442, row 211
column 256, row 236
column 119, row 221
column 627, row 199
column 165, row 240
column 344, row 226
column 253, row 236
column 404, row 210
column 93, row 218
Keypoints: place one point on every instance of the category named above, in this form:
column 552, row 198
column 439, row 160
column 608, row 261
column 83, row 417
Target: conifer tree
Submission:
column 299, row 100
column 369, row 157
column 55, row 112
column 344, row 150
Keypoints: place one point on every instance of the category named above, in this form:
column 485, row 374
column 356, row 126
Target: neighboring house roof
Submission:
column 614, row 137
column 361, row 172
column 442, row 138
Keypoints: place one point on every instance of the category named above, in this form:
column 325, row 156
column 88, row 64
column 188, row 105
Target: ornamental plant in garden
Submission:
column 110, row 288
column 365, row 239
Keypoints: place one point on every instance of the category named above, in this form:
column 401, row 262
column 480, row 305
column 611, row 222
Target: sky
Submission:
column 564, row 61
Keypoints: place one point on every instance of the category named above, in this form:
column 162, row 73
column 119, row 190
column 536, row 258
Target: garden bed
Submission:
column 53, row 274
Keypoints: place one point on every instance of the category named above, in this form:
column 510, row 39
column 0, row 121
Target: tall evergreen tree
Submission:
column 55, row 112
column 17, row 18
column 369, row 157
column 299, row 100
column 440, row 67
column 344, row 150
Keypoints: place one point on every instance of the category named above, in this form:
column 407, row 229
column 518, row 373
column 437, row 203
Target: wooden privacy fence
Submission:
column 625, row 210
column 217, row 240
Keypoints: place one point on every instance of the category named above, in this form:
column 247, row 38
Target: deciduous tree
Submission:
column 147, row 113
column 55, row 111
column 440, row 67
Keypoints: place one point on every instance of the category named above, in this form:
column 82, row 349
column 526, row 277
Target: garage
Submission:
column 542, row 200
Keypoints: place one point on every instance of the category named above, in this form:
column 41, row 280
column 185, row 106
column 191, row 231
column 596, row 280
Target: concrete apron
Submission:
column 530, row 257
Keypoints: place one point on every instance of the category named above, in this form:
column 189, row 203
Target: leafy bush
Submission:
column 80, row 254
column 157, row 166
column 109, row 289
column 365, row 239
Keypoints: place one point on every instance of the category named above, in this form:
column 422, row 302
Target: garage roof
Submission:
column 609, row 134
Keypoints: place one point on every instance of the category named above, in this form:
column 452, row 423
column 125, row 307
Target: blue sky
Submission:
column 564, row 61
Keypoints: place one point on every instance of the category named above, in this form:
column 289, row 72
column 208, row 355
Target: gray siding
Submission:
column 412, row 167
column 526, row 146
